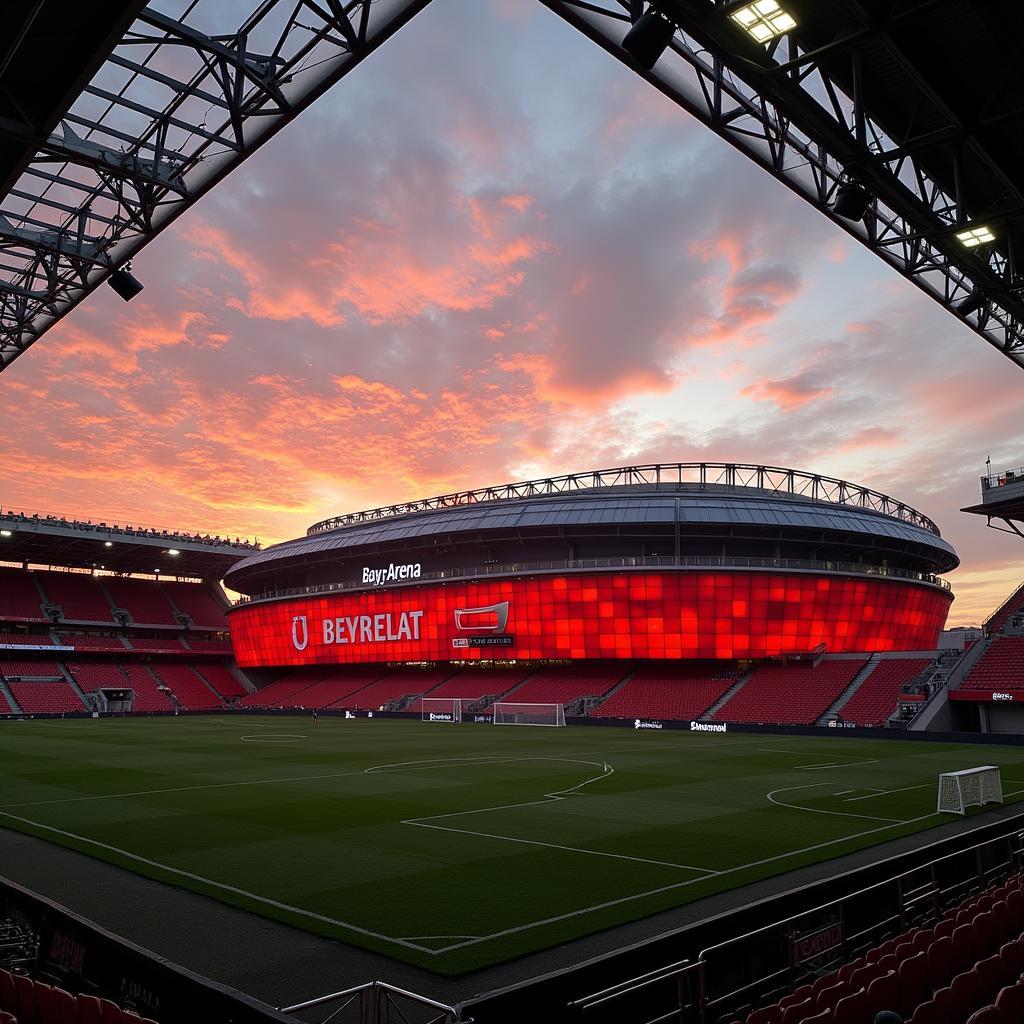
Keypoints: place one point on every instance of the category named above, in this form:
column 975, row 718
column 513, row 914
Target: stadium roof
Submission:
column 77, row 544
column 918, row 102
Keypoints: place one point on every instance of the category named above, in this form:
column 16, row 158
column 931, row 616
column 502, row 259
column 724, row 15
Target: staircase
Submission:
column 599, row 699
column 85, row 698
column 5, row 691
column 832, row 712
column 726, row 697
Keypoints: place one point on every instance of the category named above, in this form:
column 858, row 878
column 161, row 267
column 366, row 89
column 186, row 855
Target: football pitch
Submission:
column 455, row 847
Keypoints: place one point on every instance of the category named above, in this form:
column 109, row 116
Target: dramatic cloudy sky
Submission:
column 476, row 263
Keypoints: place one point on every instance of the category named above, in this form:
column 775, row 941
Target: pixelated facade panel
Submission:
column 609, row 615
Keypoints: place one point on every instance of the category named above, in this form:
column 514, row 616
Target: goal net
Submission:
column 971, row 787
column 511, row 713
column 441, row 709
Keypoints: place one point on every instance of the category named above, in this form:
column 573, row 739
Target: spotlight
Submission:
column 646, row 41
column 5, row 533
column 973, row 302
column 764, row 20
column 173, row 551
column 124, row 284
column 974, row 237
column 108, row 543
column 851, row 201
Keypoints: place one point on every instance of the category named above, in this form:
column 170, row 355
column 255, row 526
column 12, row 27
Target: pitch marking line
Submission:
column 819, row 810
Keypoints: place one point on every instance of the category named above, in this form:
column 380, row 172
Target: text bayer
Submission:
column 372, row 629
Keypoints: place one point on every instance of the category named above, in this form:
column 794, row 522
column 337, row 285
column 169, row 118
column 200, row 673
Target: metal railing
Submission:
column 377, row 1002
column 1002, row 478
column 669, row 475
column 629, row 562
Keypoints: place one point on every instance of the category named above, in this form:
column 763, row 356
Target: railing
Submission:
column 1002, row 479
column 669, row 993
column 633, row 562
column 689, row 475
column 377, row 1002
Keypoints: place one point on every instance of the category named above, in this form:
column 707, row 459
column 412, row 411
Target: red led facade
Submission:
column 606, row 615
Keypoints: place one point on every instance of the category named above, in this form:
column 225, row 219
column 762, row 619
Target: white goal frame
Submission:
column 510, row 712
column 442, row 710
column 972, row 787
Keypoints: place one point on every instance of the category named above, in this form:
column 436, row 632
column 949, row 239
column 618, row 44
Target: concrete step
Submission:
column 833, row 710
column 727, row 696
column 5, row 690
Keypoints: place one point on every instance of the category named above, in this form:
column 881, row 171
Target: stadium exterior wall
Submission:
column 654, row 615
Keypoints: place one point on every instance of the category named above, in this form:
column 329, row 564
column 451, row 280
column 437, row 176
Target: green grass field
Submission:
column 453, row 847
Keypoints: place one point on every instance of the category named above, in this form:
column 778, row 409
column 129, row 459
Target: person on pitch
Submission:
column 315, row 717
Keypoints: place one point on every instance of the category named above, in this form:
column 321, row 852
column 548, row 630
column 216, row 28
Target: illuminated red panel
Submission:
column 624, row 615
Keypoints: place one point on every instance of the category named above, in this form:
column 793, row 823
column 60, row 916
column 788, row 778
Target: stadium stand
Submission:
column 46, row 698
column 967, row 967
column 395, row 685
column 148, row 696
column 794, row 694
column 161, row 645
column 876, row 697
column 30, row 669
column 144, row 601
column 97, row 675
column 198, row 603
column 1011, row 606
column 191, row 691
column 334, row 686
column 79, row 596
column 668, row 691
column 562, row 684
column 221, row 679
column 209, row 646
column 20, row 600
column 36, row 640
column 33, row 1001
column 283, row 693
column 473, row 684
column 112, row 644
column 1001, row 667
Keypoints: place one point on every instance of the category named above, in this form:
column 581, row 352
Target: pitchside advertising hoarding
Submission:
column 622, row 615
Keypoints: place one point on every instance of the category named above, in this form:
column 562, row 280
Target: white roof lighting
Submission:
column 173, row 551
column 5, row 533
column 764, row 19
column 108, row 543
column 976, row 236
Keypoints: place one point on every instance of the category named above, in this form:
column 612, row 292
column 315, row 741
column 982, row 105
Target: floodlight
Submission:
column 173, row 551
column 973, row 302
column 124, row 283
column 973, row 237
column 764, row 20
column 645, row 42
column 851, row 201
column 5, row 533
column 108, row 544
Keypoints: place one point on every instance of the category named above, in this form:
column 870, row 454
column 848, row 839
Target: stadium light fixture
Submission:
column 764, row 20
column 647, row 40
column 173, row 551
column 124, row 283
column 5, row 533
column 973, row 237
column 851, row 201
column 108, row 544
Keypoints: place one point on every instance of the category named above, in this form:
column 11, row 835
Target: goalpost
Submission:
column 441, row 709
column 972, row 787
column 513, row 713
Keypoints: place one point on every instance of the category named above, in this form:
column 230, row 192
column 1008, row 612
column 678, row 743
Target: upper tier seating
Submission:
column 562, row 684
column 1001, row 667
column 96, row 675
column 193, row 694
column 283, row 693
column 20, row 600
column 336, row 684
column 198, row 603
column 113, row 644
column 46, row 698
column 794, row 694
column 1013, row 604
column 473, row 683
column 144, row 601
column 966, row 969
column 875, row 699
column 668, row 691
column 394, row 685
column 27, row 639
column 80, row 596
column 163, row 645
column 30, row 668
column 221, row 679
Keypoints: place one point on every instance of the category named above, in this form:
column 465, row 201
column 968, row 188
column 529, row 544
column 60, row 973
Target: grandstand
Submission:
column 876, row 697
column 473, row 685
column 1000, row 668
column 668, row 691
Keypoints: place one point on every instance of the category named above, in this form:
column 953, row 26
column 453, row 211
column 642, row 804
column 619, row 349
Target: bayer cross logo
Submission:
column 300, row 632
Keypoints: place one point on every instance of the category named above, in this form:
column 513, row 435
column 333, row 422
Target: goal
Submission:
column 511, row 713
column 971, row 787
column 441, row 709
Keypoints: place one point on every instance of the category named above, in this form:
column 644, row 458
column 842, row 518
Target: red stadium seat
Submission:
column 969, row 993
column 766, row 1015
column 963, row 947
column 25, row 988
column 824, row 1017
column 89, row 1010
column 863, row 977
column 111, row 1012
column 828, row 997
column 8, row 993
column 884, row 993
column 993, row 975
column 62, row 1008
column 922, row 939
column 985, row 937
column 945, row 928
column 990, row 1015
column 1011, row 1001
column 853, row 1009
column 798, row 995
column 797, row 1013
column 914, row 982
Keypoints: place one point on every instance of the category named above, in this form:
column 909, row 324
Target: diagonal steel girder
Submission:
column 181, row 101
column 777, row 105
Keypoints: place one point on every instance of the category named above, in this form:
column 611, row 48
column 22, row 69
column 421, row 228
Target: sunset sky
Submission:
column 495, row 253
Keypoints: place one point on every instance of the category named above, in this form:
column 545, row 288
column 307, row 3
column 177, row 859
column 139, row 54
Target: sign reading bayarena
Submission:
column 645, row 562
